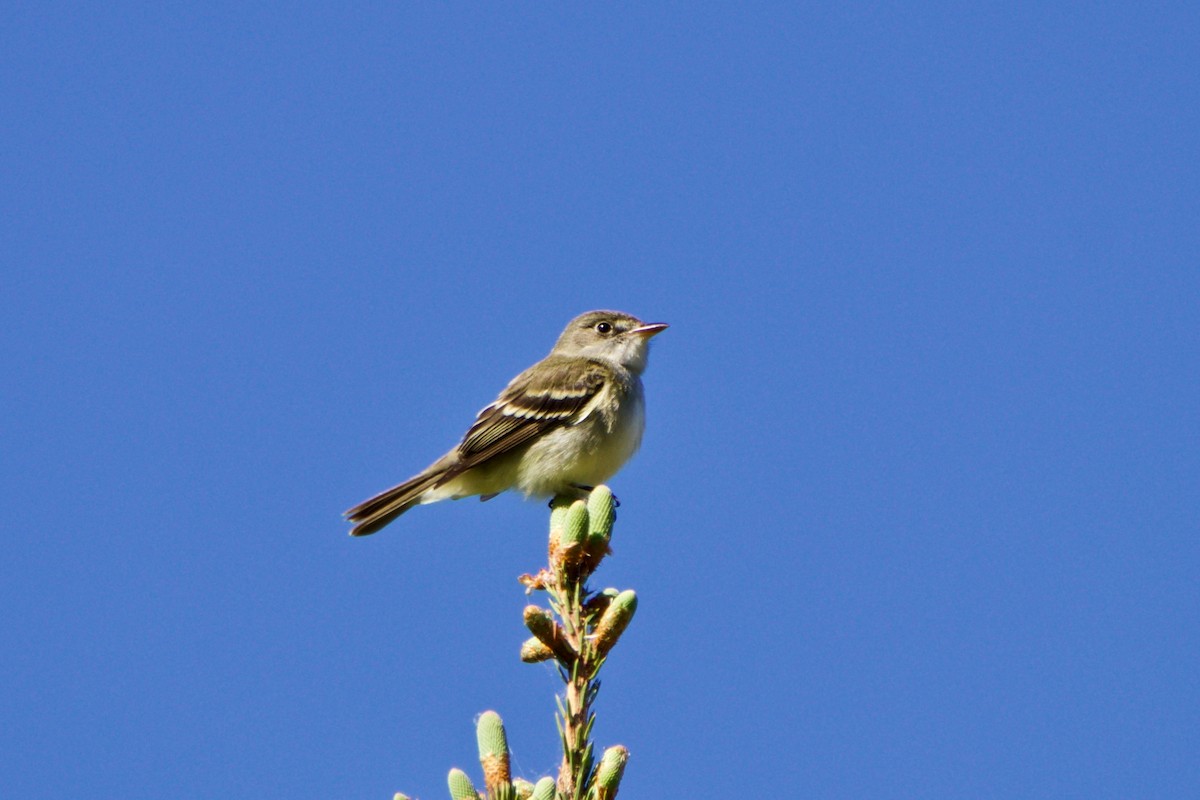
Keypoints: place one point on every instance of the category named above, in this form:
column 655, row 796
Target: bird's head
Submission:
column 612, row 336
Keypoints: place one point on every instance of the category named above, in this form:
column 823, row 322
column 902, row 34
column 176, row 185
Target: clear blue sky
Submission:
column 917, row 511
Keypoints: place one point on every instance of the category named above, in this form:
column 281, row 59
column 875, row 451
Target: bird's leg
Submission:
column 586, row 490
column 580, row 492
column 583, row 491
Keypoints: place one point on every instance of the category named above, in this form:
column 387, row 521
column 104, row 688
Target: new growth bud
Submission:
column 493, row 750
column 544, row 790
column 566, row 556
column 608, row 774
column 602, row 512
column 542, row 625
column 614, row 621
column 461, row 787
column 533, row 651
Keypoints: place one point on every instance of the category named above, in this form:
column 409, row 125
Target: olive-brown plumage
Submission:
column 566, row 423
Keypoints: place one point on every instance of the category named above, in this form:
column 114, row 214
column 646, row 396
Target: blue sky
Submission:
column 916, row 512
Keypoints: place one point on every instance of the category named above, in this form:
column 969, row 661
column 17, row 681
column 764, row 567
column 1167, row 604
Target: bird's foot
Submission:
column 584, row 491
column 581, row 493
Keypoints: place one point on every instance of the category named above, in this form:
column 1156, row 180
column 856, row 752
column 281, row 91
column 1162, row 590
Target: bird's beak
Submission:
column 650, row 329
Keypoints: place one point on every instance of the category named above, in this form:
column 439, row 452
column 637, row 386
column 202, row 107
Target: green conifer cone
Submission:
column 461, row 787
column 614, row 621
column 544, row 790
column 558, row 512
column 542, row 625
column 533, row 651
column 567, row 551
column 559, row 507
column 493, row 750
column 575, row 525
column 608, row 774
column 602, row 513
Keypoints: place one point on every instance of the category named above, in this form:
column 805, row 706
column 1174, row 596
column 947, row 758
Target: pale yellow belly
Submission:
column 586, row 454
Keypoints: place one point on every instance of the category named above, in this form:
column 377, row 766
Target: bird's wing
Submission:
column 558, row 391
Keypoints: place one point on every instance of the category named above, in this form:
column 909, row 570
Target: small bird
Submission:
column 562, row 426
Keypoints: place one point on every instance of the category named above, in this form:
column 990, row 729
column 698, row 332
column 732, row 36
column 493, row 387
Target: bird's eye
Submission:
column 603, row 327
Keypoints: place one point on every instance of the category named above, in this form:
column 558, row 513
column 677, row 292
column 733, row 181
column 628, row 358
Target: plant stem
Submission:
column 580, row 690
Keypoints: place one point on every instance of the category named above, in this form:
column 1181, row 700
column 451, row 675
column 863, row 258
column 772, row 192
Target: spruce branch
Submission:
column 577, row 632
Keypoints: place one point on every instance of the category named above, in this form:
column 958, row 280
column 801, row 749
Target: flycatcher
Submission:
column 562, row 426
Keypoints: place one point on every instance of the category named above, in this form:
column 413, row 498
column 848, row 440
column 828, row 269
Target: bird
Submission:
column 561, row 427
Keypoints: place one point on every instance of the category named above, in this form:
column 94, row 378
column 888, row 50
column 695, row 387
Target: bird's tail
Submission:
column 371, row 515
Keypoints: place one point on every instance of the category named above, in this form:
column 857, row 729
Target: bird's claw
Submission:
column 586, row 490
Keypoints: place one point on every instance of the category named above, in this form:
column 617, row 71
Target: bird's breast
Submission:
column 591, row 451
